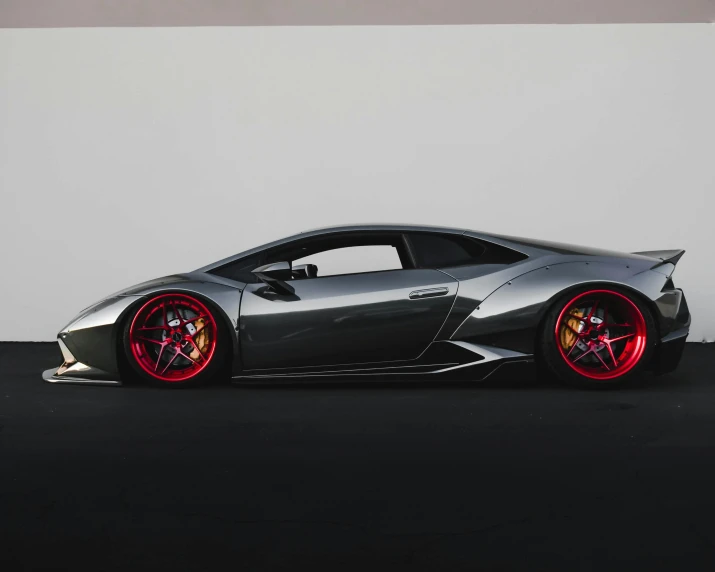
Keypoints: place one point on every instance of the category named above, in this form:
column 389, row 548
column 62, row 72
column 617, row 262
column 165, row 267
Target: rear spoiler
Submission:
column 671, row 256
column 664, row 256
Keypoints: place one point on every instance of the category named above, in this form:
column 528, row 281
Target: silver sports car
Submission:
column 457, row 302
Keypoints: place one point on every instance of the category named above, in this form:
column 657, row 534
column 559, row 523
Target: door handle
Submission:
column 428, row 293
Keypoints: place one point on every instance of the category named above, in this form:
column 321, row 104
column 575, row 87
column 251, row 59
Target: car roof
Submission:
column 529, row 247
column 398, row 227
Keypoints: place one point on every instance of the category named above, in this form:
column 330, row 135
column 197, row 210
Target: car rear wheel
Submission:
column 174, row 340
column 598, row 338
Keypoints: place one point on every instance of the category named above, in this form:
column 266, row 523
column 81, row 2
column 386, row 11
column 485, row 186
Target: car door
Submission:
column 347, row 319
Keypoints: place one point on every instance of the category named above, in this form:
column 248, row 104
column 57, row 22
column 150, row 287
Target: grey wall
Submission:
column 128, row 153
column 52, row 13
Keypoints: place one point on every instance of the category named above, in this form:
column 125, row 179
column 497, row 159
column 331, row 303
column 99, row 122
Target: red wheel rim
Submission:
column 601, row 334
column 173, row 337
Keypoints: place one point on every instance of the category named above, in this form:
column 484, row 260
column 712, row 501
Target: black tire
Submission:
column 216, row 366
column 552, row 360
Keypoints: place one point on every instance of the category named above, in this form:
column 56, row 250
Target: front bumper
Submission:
column 88, row 345
column 73, row 371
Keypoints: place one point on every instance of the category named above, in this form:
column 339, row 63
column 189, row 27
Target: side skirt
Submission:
column 466, row 361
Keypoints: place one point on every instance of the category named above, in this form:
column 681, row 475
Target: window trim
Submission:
column 409, row 247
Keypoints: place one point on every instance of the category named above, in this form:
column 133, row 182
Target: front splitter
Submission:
column 50, row 375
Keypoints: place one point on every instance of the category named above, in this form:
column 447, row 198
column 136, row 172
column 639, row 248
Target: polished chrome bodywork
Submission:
column 467, row 319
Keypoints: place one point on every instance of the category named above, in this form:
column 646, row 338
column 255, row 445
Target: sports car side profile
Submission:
column 448, row 302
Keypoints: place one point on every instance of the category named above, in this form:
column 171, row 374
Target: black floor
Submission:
column 510, row 476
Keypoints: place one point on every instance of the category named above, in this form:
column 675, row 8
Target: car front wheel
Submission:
column 174, row 340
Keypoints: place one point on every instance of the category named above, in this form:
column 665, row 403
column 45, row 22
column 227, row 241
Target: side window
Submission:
column 437, row 250
column 353, row 260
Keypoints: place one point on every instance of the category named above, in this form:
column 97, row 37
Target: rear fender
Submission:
column 510, row 316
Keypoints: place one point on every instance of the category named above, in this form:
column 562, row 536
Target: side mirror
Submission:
column 305, row 271
column 273, row 276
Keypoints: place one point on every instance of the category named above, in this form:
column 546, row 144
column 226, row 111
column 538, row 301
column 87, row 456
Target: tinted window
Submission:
column 437, row 250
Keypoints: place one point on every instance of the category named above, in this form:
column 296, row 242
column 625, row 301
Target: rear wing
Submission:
column 671, row 256
column 663, row 258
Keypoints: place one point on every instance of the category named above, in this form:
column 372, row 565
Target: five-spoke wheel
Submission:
column 172, row 339
column 597, row 337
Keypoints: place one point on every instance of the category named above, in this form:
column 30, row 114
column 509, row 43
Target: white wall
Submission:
column 127, row 154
